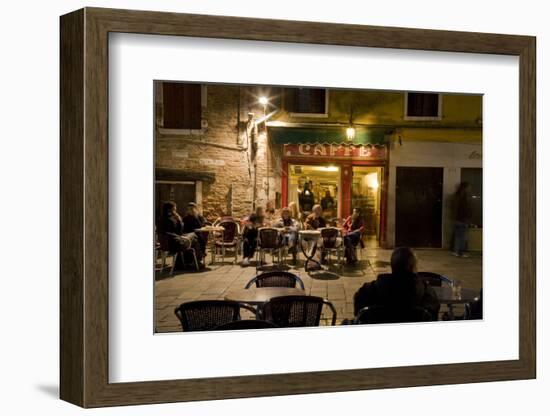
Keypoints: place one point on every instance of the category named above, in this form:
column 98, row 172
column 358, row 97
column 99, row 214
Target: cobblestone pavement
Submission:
column 336, row 285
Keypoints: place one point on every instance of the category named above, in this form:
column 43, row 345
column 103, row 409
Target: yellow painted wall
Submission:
column 460, row 121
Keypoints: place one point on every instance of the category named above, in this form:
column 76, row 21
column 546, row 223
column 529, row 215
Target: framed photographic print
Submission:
column 255, row 207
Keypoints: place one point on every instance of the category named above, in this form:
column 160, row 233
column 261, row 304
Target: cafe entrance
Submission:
column 339, row 178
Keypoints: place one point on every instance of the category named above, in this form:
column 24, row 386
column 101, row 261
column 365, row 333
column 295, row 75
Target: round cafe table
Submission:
column 448, row 296
column 211, row 229
column 260, row 295
column 310, row 238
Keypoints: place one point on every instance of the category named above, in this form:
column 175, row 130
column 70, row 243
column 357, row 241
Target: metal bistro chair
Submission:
column 434, row 279
column 276, row 279
column 296, row 311
column 229, row 239
column 246, row 324
column 390, row 315
column 332, row 244
column 205, row 315
column 166, row 250
column 268, row 241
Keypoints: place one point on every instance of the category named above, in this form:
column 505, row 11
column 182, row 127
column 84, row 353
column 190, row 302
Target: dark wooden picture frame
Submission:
column 84, row 207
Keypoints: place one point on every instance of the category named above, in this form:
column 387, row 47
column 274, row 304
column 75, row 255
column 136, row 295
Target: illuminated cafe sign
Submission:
column 360, row 151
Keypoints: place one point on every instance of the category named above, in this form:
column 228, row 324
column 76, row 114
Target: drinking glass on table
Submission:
column 457, row 289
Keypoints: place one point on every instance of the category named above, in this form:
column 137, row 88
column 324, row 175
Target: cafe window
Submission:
column 420, row 105
column 306, row 101
column 182, row 106
column 474, row 176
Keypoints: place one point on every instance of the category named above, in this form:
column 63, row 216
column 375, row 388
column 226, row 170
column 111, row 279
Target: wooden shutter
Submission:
column 305, row 100
column 181, row 105
column 422, row 104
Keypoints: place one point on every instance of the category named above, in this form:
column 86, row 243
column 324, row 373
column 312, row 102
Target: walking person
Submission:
column 462, row 202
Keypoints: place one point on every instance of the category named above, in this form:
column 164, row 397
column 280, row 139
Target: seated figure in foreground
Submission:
column 400, row 289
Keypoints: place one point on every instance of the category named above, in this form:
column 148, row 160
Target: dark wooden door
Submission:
column 180, row 193
column 418, row 215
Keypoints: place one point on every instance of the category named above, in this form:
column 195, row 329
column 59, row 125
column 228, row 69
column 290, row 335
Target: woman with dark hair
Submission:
column 171, row 227
column 353, row 226
column 462, row 218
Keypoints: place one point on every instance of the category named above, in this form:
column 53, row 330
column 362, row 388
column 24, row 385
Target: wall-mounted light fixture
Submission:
column 350, row 133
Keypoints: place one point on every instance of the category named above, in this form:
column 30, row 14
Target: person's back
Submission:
column 401, row 289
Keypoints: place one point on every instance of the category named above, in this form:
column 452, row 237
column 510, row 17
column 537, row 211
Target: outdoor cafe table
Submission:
column 449, row 297
column 311, row 237
column 446, row 295
column 211, row 229
column 260, row 295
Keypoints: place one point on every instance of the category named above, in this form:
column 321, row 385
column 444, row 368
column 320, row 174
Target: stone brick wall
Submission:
column 223, row 148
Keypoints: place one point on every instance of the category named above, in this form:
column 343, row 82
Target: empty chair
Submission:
column 276, row 279
column 296, row 311
column 268, row 241
column 434, row 279
column 387, row 315
column 332, row 243
column 229, row 239
column 204, row 315
column 246, row 324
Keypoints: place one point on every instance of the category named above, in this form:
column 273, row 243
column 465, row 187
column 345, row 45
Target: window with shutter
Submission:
column 181, row 105
column 306, row 100
column 421, row 104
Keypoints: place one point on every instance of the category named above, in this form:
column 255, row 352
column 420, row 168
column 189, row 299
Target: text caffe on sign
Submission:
column 336, row 151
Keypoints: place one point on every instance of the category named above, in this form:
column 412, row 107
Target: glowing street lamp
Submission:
column 350, row 133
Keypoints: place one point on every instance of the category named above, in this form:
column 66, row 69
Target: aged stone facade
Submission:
column 230, row 148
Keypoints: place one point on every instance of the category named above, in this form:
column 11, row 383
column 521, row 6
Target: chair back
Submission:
column 164, row 241
column 204, row 315
column 276, row 279
column 433, row 279
column 231, row 230
column 268, row 238
column 246, row 324
column 294, row 311
column 330, row 237
column 390, row 315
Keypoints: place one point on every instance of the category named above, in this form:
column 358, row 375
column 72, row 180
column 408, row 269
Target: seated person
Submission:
column 353, row 230
column 171, row 226
column 290, row 234
column 250, row 234
column 315, row 220
column 400, row 289
column 269, row 213
column 192, row 221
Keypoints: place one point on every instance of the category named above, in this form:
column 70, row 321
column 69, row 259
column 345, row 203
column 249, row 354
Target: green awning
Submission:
column 335, row 135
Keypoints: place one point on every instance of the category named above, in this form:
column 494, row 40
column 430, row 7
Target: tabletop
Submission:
column 209, row 228
column 446, row 296
column 260, row 295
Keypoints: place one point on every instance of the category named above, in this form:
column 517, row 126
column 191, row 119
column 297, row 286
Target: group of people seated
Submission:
column 182, row 233
column 352, row 230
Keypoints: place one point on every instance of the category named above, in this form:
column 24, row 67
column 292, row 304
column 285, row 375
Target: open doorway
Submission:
column 366, row 195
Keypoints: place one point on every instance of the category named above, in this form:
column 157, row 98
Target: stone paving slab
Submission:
column 338, row 285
